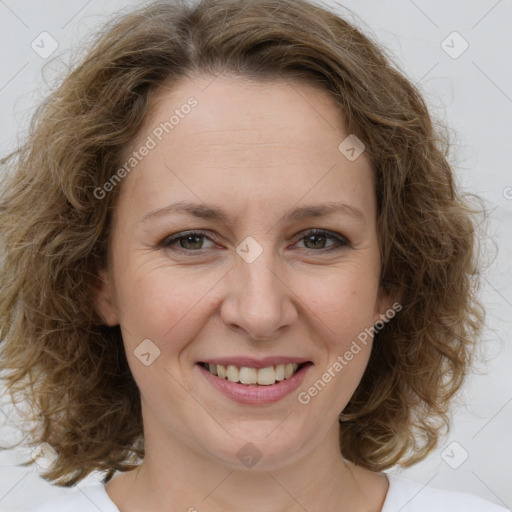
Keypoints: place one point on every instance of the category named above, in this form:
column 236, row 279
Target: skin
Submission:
column 258, row 150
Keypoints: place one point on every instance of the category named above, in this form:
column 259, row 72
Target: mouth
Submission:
column 251, row 376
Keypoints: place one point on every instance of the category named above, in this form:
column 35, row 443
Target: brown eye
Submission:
column 316, row 240
column 191, row 241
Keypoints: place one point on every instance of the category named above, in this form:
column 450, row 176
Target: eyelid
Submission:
column 342, row 241
column 182, row 234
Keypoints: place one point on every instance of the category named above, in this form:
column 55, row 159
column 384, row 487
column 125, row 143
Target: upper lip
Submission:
column 254, row 362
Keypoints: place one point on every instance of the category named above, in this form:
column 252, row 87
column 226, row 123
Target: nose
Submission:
column 259, row 301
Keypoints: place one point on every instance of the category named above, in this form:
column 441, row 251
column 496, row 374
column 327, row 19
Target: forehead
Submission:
column 244, row 141
column 238, row 109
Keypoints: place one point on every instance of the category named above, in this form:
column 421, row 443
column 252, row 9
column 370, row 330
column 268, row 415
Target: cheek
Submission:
column 161, row 302
column 345, row 310
column 343, row 301
column 343, row 305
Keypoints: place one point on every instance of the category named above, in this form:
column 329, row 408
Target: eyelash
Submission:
column 341, row 242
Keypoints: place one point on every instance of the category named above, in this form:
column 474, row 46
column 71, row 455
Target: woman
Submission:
column 237, row 271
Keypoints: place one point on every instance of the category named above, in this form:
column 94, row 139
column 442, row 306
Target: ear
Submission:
column 103, row 299
column 386, row 306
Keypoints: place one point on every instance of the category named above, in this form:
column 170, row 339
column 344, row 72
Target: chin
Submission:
column 259, row 449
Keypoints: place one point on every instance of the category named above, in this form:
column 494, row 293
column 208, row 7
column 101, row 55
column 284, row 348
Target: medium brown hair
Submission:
column 72, row 371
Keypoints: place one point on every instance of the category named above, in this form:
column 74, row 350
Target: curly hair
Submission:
column 71, row 369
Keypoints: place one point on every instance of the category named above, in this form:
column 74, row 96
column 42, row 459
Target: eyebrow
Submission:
column 212, row 212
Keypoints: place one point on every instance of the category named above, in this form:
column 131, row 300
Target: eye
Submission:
column 189, row 242
column 314, row 240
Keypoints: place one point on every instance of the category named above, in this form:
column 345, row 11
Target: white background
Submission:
column 472, row 92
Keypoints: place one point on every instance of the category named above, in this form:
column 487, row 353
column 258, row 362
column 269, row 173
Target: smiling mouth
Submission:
column 255, row 376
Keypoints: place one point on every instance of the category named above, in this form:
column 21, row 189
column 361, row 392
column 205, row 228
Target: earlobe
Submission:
column 103, row 302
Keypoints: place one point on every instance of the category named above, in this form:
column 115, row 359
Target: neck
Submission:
column 177, row 477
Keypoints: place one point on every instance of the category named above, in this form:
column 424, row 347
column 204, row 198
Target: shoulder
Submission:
column 409, row 496
column 86, row 499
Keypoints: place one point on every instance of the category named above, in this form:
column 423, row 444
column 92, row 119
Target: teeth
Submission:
column 262, row 376
column 288, row 370
column 266, row 376
column 221, row 370
column 248, row 375
column 233, row 373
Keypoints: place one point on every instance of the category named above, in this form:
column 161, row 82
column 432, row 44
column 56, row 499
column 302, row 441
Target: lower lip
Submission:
column 254, row 394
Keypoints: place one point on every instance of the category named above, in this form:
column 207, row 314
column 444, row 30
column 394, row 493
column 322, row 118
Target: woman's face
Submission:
column 251, row 168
